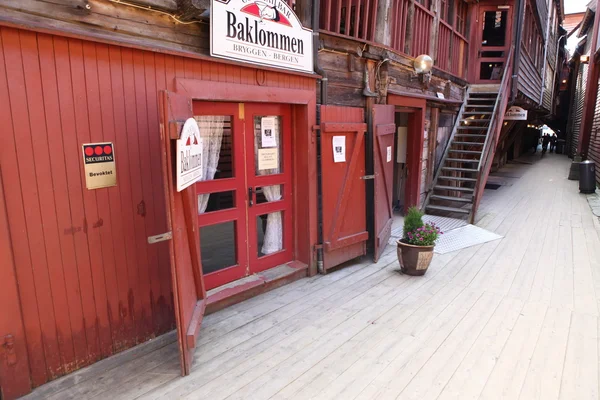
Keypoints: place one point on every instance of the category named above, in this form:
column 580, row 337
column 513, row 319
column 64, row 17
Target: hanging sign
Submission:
column 515, row 113
column 339, row 149
column 189, row 155
column 99, row 165
column 268, row 133
column 265, row 32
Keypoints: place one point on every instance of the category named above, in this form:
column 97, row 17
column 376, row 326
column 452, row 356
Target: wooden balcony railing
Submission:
column 352, row 18
column 398, row 20
column 421, row 35
column 444, row 46
column 452, row 51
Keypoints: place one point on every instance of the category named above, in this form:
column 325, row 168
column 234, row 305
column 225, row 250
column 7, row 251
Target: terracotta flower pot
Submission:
column 414, row 260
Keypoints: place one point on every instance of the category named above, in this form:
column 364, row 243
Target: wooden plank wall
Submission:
column 530, row 77
column 594, row 149
column 577, row 111
column 89, row 283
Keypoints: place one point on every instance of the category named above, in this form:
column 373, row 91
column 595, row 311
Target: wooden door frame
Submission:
column 414, row 147
column 304, row 179
column 477, row 36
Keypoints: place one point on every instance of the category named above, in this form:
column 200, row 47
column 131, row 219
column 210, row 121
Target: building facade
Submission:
column 301, row 167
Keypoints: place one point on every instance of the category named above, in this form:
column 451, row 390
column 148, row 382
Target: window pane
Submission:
column 269, row 230
column 217, row 146
column 218, row 246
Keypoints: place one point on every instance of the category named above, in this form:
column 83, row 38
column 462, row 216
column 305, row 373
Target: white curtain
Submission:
column 273, row 239
column 211, row 132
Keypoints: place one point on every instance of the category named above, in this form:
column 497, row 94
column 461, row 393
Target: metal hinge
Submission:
column 367, row 177
column 160, row 238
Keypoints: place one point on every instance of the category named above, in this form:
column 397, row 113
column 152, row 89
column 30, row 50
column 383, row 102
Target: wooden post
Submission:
column 383, row 26
column 410, row 22
column 304, row 12
column 435, row 29
column 432, row 145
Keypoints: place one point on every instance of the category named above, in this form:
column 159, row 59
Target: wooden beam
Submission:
column 191, row 9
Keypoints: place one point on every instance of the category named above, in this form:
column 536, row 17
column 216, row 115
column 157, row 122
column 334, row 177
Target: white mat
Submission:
column 463, row 237
column 444, row 223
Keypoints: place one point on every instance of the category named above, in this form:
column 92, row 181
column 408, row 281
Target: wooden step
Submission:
column 472, row 135
column 459, row 169
column 469, row 143
column 477, row 113
column 475, row 120
column 451, row 198
column 478, row 106
column 466, row 151
column 450, row 209
column 484, row 93
column 457, row 178
column 456, row 188
column 463, row 160
column 473, row 128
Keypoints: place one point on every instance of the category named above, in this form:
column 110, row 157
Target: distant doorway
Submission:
column 495, row 38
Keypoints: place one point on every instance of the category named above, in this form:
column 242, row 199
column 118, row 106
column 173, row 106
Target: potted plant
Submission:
column 415, row 249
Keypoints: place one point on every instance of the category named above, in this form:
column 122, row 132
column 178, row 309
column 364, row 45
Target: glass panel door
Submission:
column 269, row 165
column 221, row 193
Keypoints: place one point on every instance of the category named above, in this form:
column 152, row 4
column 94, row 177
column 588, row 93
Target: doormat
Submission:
column 492, row 186
column 463, row 237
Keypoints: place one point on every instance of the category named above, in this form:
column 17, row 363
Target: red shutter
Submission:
column 344, row 199
column 383, row 158
column 186, row 270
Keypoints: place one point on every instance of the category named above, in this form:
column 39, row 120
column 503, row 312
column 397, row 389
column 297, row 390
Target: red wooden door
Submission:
column 222, row 194
column 342, row 179
column 269, row 181
column 494, row 41
column 384, row 128
column 189, row 291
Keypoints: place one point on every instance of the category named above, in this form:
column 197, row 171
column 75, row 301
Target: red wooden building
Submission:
column 301, row 169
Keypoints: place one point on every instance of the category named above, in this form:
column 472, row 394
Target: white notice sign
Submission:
column 99, row 165
column 389, row 154
column 339, row 149
column 263, row 32
column 189, row 155
column 268, row 159
column 268, row 132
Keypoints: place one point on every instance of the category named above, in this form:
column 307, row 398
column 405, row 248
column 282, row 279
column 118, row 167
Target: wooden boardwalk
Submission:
column 515, row 318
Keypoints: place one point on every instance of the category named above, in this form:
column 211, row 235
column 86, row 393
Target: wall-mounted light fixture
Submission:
column 584, row 58
column 564, row 81
column 423, row 65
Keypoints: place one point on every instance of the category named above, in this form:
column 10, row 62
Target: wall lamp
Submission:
column 584, row 58
column 423, row 65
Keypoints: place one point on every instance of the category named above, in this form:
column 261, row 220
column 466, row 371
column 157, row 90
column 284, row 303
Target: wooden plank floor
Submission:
column 515, row 318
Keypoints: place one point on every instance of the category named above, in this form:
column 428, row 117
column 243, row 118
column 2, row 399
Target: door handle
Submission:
column 250, row 199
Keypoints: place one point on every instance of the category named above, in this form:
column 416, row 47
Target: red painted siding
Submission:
column 89, row 284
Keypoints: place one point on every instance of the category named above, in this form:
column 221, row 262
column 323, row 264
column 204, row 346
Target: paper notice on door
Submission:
column 389, row 154
column 268, row 133
column 268, row 159
column 339, row 149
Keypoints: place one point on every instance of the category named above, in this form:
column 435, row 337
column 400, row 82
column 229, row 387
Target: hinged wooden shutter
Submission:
column 383, row 158
column 344, row 198
column 186, row 270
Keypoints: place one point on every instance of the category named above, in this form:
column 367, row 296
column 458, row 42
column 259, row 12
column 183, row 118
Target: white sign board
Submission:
column 268, row 132
column 268, row 159
column 264, row 32
column 99, row 165
column 189, row 155
column 515, row 113
column 389, row 154
column 339, row 149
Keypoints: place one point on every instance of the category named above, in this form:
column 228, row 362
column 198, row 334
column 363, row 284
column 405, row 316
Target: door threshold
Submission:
column 253, row 285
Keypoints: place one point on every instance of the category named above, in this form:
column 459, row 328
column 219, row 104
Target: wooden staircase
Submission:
column 461, row 177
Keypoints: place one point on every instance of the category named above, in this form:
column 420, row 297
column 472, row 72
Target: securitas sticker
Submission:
column 99, row 165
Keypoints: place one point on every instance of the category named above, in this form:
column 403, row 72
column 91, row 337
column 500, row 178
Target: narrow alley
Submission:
column 515, row 318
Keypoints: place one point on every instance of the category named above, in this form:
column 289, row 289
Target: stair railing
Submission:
column 438, row 171
column 493, row 133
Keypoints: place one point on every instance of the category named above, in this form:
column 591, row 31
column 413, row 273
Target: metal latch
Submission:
column 160, row 238
column 367, row 177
